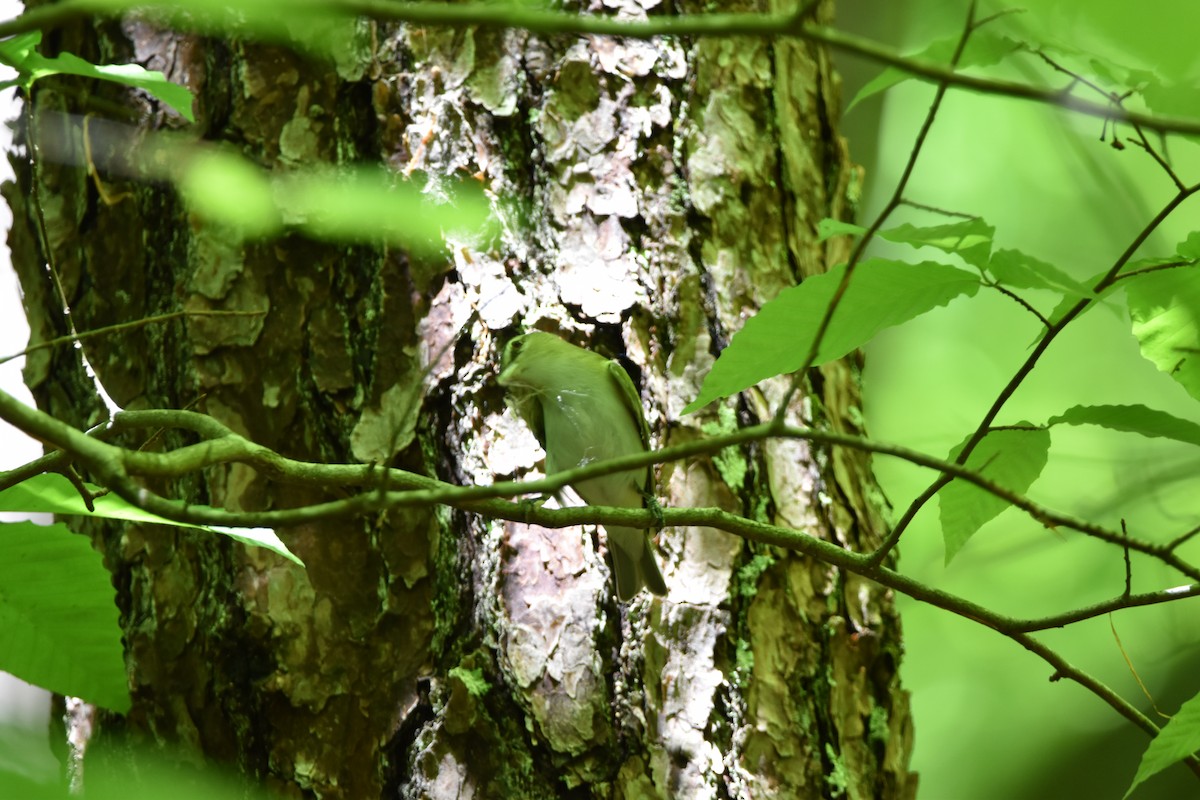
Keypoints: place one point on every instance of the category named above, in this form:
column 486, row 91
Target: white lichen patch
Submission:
column 550, row 588
column 596, row 270
column 513, row 448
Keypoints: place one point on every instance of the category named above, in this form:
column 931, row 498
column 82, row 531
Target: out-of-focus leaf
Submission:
column 1163, row 97
column 1069, row 301
column 983, row 49
column 312, row 25
column 348, row 205
column 1132, row 419
column 226, row 189
column 366, row 205
column 59, row 627
column 881, row 294
column 1011, row 457
column 146, row 773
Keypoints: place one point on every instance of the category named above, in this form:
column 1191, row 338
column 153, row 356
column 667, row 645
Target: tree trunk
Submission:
column 653, row 195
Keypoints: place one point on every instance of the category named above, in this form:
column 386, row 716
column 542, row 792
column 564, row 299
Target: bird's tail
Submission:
column 634, row 564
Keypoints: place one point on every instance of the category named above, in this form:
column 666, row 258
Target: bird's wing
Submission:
column 633, row 403
column 528, row 406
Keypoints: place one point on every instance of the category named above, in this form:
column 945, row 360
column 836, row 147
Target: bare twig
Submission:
column 1021, row 301
column 120, row 327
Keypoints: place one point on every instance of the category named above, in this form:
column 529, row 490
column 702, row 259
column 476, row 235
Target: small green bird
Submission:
column 584, row 408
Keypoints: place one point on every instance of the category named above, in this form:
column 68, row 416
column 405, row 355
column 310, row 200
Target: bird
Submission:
column 584, row 408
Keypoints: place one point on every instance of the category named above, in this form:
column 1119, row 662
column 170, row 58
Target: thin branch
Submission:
column 1128, row 565
column 1118, row 101
column 116, row 468
column 1031, row 361
column 1019, row 301
column 856, row 255
column 1121, row 601
column 1133, row 273
column 124, row 326
column 1176, row 543
column 98, row 456
column 935, row 210
column 893, row 537
column 422, row 490
column 1064, row 669
column 503, row 15
column 1144, row 143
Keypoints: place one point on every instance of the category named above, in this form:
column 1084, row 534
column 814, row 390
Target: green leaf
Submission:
column 20, row 53
column 1017, row 270
column 1011, row 457
column 1172, row 99
column 59, row 626
column 51, row 493
column 1069, row 301
column 827, row 228
column 155, row 83
column 1178, row 739
column 1189, row 248
column 1132, row 419
column 983, row 49
column 1164, row 308
column 54, row 494
column 15, row 51
column 882, row 293
column 971, row 239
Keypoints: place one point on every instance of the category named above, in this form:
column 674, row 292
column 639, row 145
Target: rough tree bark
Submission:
column 653, row 195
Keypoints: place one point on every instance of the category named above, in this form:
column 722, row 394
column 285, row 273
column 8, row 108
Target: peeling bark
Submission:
column 654, row 194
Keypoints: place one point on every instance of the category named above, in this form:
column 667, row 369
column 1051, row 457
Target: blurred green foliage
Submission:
column 989, row 722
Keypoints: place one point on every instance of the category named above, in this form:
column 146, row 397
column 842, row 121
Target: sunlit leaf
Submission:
column 1010, row 457
column 59, row 626
column 53, row 494
column 21, row 54
column 881, row 294
column 1164, row 308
